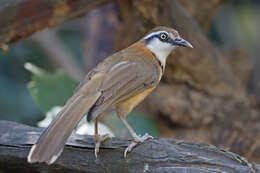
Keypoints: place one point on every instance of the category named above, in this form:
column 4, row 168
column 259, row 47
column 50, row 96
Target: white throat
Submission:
column 160, row 49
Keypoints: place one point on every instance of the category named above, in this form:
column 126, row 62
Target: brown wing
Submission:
column 122, row 81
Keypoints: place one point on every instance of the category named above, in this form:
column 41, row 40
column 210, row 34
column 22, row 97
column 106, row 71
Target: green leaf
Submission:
column 49, row 90
column 141, row 124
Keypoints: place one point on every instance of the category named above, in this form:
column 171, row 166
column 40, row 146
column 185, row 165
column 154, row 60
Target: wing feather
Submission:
column 121, row 82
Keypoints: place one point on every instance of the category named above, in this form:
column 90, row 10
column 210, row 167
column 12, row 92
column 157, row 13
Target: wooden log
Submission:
column 153, row 156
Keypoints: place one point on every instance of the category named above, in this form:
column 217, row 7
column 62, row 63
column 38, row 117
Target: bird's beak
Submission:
column 181, row 42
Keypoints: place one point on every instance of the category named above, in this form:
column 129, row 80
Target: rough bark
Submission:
column 203, row 95
column 157, row 155
column 20, row 18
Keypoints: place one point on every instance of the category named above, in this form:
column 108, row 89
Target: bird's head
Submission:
column 162, row 40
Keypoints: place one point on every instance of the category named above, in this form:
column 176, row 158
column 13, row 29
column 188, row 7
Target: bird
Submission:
column 122, row 81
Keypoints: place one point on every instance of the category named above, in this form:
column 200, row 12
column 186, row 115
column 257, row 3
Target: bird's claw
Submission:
column 98, row 140
column 135, row 141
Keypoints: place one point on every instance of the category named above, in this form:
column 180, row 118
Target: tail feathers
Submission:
column 51, row 143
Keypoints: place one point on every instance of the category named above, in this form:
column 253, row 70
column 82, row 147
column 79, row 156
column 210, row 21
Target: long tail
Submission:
column 51, row 143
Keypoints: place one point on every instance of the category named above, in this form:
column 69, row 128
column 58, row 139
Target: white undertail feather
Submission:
column 54, row 158
column 30, row 154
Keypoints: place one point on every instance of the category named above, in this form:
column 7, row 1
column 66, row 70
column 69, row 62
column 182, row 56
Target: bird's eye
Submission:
column 163, row 36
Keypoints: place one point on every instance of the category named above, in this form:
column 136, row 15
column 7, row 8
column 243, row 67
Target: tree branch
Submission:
column 157, row 155
column 21, row 18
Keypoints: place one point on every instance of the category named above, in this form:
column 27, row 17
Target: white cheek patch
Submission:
column 160, row 49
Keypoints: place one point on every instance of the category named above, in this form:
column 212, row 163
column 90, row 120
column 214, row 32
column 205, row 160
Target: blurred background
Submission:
column 40, row 73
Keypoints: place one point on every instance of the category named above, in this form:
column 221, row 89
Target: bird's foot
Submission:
column 98, row 140
column 135, row 141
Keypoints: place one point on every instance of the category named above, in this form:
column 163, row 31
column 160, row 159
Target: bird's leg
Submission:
column 136, row 139
column 99, row 138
